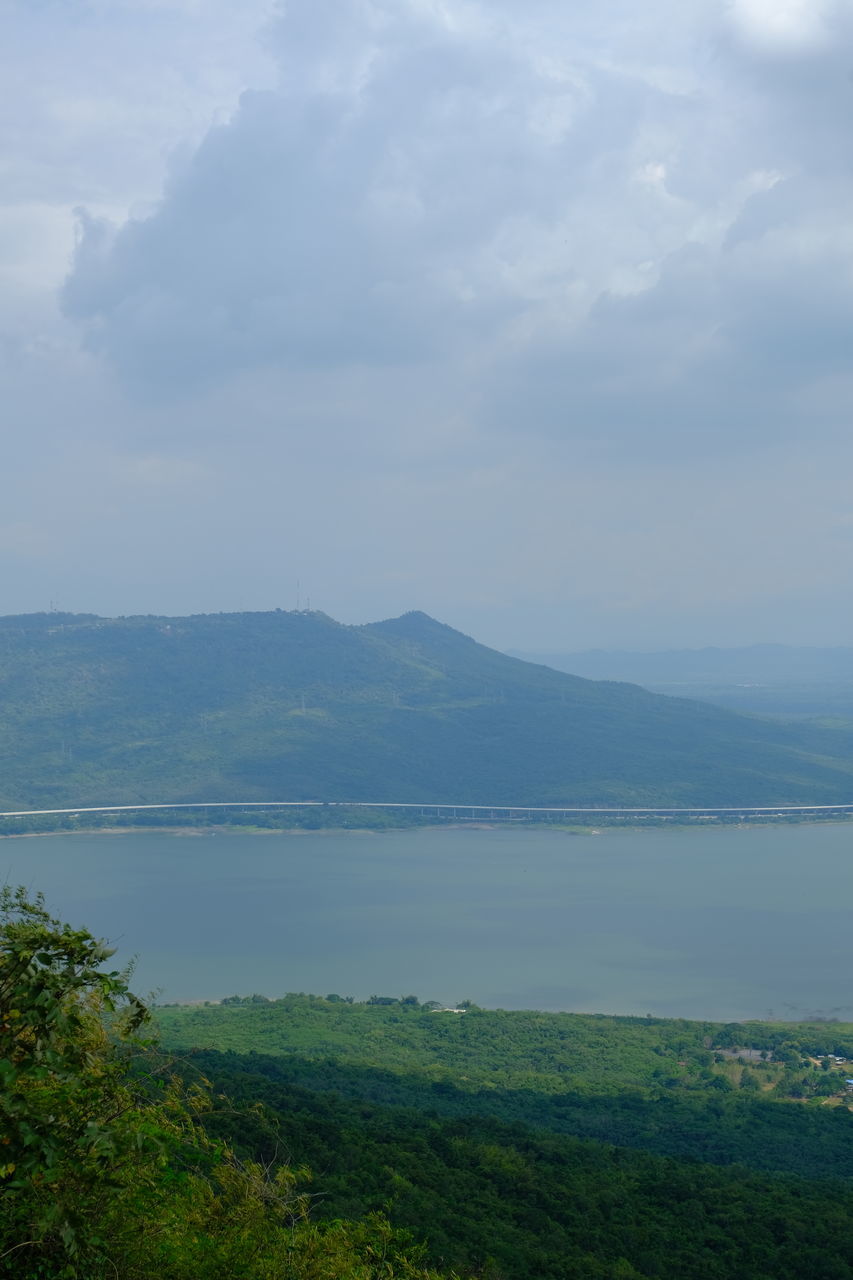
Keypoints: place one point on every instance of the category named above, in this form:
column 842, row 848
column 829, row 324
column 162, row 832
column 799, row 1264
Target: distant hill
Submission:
column 771, row 679
column 295, row 706
column 776, row 664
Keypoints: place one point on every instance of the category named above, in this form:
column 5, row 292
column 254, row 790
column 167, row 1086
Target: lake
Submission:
column 724, row 923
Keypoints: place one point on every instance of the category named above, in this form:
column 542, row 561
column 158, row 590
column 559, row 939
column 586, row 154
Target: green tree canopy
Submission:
column 105, row 1171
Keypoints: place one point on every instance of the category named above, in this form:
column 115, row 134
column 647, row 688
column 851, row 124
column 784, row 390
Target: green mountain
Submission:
column 295, row 706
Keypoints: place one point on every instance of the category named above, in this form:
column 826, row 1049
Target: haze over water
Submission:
column 725, row 924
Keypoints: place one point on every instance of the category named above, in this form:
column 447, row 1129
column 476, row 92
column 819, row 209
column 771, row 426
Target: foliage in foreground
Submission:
column 105, row 1169
column 114, row 1166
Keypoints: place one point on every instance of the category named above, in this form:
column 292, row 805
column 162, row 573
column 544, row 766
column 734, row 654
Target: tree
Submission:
column 105, row 1169
column 76, row 1127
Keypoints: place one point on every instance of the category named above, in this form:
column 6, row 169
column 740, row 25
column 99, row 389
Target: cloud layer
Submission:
column 448, row 261
column 637, row 247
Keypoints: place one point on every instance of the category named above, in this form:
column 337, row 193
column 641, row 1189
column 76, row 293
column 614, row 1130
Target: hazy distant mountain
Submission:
column 773, row 679
column 296, row 706
column 759, row 663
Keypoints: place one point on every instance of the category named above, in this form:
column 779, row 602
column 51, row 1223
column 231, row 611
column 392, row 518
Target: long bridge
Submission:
column 465, row 812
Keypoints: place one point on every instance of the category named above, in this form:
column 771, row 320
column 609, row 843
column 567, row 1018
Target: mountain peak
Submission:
column 416, row 625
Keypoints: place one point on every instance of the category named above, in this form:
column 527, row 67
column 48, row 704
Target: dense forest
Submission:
column 543, row 1145
column 316, row 1138
column 294, row 706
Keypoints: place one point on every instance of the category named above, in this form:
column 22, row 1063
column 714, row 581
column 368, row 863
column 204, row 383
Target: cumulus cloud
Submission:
column 613, row 244
column 346, row 217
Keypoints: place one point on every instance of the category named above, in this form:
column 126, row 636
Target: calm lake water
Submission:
column 729, row 923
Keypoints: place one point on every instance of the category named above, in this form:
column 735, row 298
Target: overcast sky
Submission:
column 535, row 315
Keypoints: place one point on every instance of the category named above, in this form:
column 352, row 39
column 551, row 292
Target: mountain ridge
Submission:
column 295, row 705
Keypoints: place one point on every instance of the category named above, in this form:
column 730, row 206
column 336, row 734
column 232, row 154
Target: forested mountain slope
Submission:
column 531, row 1146
column 292, row 706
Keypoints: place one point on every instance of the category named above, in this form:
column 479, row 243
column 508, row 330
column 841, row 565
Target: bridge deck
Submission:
column 447, row 809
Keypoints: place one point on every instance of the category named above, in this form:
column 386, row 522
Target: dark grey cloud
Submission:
column 322, row 226
column 726, row 352
column 357, row 213
column 650, row 252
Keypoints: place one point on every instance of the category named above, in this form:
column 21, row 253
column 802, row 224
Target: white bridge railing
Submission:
column 443, row 808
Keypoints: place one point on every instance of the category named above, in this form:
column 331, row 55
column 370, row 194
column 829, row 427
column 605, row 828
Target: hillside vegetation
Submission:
column 513, row 1146
column 530, row 1146
column 294, row 706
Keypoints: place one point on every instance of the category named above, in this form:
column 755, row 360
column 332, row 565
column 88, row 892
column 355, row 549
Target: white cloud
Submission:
column 788, row 26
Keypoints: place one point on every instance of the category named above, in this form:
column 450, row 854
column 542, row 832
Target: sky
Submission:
column 537, row 317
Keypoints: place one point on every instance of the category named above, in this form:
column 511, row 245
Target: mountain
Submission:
column 296, row 706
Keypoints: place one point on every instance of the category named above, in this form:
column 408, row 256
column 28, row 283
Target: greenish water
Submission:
column 729, row 923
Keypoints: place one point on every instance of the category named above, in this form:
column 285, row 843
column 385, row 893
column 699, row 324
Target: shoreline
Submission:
column 214, row 829
column 195, row 832
column 839, row 1026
